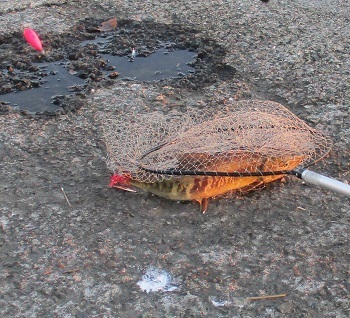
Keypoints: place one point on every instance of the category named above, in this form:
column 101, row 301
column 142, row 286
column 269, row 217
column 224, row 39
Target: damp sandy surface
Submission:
column 72, row 247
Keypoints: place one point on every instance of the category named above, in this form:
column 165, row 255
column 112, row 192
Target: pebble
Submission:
column 36, row 242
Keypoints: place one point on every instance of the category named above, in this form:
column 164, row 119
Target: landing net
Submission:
column 248, row 138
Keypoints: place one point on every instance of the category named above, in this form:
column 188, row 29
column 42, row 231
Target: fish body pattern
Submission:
column 200, row 188
column 197, row 188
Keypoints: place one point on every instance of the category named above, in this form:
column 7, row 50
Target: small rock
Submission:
column 36, row 242
column 163, row 248
column 111, row 264
column 160, row 98
column 113, row 75
column 286, row 308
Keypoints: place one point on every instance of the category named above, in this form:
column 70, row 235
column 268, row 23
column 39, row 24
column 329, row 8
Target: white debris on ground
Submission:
column 219, row 303
column 156, row 279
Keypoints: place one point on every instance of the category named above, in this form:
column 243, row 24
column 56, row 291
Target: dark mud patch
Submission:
column 43, row 90
column 87, row 59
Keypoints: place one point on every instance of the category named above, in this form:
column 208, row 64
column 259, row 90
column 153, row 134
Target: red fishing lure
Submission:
column 33, row 39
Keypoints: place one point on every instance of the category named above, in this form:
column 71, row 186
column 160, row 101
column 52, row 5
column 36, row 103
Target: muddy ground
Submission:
column 72, row 247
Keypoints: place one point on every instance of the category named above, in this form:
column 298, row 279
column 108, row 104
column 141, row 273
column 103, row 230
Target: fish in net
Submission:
column 199, row 154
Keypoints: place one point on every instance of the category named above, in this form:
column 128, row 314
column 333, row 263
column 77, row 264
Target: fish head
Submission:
column 118, row 179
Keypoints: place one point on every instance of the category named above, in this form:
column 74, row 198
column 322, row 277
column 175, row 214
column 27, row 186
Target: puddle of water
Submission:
column 157, row 66
column 56, row 82
column 164, row 63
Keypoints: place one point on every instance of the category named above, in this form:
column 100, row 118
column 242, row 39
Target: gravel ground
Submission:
column 106, row 253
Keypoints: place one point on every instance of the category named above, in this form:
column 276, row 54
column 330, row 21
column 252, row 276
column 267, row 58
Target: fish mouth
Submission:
column 125, row 188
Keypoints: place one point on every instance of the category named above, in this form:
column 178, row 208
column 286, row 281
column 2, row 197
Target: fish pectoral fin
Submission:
column 203, row 203
column 253, row 186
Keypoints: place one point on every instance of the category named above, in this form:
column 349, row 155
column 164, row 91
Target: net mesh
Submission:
column 249, row 137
